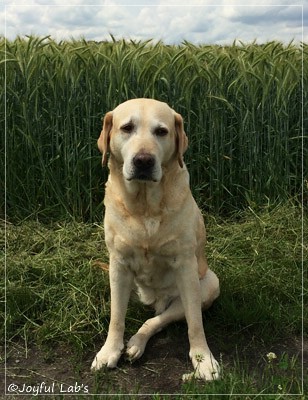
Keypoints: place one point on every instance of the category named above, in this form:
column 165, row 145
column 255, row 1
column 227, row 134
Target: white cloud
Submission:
column 144, row 19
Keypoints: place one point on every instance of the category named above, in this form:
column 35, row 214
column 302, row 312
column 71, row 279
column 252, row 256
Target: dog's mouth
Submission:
column 142, row 176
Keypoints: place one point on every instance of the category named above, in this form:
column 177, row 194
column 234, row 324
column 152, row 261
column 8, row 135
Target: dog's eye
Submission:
column 128, row 128
column 161, row 131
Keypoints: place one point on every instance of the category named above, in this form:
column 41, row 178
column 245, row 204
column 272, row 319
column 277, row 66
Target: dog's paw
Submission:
column 107, row 356
column 135, row 347
column 205, row 367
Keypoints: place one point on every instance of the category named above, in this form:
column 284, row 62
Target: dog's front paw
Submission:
column 205, row 367
column 108, row 356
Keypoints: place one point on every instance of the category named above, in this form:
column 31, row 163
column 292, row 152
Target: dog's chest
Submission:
column 141, row 232
column 146, row 244
column 152, row 226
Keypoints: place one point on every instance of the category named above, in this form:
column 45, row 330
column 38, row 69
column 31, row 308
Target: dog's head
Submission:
column 143, row 135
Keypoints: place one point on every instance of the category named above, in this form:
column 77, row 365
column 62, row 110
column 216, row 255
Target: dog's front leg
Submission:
column 205, row 365
column 121, row 280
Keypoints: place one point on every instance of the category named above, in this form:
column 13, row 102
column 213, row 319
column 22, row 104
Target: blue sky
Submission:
column 172, row 21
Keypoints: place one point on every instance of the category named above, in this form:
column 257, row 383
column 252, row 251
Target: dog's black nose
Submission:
column 143, row 161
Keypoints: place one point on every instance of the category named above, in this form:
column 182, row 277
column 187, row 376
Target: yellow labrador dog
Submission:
column 154, row 232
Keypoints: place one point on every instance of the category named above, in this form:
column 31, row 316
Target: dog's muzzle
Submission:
column 143, row 165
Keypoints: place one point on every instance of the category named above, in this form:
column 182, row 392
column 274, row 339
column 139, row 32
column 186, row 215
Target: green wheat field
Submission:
column 244, row 109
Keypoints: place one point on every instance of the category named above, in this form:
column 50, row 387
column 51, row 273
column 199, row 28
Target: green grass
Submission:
column 241, row 106
column 58, row 294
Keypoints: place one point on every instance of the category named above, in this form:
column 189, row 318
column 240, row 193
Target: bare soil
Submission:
column 158, row 371
column 59, row 371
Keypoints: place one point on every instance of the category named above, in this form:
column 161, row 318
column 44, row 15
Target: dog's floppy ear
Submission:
column 181, row 138
column 104, row 138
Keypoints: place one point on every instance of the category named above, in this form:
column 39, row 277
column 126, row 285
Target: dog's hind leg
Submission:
column 137, row 343
column 209, row 286
column 175, row 312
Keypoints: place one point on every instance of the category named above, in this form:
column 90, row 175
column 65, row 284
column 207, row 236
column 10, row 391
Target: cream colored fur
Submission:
column 154, row 232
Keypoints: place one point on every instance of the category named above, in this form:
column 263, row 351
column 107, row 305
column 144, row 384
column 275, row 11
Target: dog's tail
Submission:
column 100, row 264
